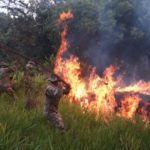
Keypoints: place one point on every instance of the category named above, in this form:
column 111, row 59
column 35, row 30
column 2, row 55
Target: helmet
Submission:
column 3, row 64
column 53, row 78
column 31, row 62
column 30, row 65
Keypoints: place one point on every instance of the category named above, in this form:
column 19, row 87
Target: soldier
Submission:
column 30, row 70
column 30, row 66
column 54, row 91
column 28, row 74
column 5, row 80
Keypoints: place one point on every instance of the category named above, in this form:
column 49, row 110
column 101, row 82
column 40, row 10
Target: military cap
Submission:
column 53, row 78
column 31, row 62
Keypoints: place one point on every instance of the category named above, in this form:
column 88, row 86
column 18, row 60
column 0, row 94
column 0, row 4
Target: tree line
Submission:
column 118, row 30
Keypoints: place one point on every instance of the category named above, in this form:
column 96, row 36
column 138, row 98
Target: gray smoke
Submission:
column 126, row 43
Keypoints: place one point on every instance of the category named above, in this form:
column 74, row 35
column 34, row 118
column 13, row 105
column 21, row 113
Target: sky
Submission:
column 4, row 10
column 26, row 1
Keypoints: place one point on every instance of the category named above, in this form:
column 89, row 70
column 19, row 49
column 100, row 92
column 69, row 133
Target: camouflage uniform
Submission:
column 30, row 66
column 53, row 94
column 5, row 80
column 29, row 85
column 28, row 74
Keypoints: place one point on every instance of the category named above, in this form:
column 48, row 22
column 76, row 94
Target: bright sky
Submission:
column 26, row 1
column 4, row 10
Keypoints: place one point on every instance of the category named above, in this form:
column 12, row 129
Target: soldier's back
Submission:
column 53, row 91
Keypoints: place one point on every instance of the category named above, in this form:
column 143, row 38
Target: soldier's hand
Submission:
column 67, row 89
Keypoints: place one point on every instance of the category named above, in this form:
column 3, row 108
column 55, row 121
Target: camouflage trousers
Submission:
column 56, row 119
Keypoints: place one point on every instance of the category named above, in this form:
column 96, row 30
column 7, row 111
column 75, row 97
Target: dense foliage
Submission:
column 102, row 32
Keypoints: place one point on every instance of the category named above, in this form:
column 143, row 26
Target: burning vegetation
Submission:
column 98, row 93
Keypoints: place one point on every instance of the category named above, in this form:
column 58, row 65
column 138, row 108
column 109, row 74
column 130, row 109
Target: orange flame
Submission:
column 92, row 92
column 144, row 113
column 141, row 87
column 129, row 106
column 64, row 43
column 65, row 15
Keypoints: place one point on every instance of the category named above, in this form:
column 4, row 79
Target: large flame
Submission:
column 129, row 106
column 92, row 92
column 141, row 87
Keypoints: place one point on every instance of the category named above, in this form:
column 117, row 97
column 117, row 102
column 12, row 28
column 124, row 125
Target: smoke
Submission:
column 124, row 40
column 137, row 55
column 142, row 15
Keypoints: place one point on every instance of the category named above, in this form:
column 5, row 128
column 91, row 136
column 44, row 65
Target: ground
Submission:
column 28, row 130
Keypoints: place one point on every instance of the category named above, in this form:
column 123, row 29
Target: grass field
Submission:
column 28, row 130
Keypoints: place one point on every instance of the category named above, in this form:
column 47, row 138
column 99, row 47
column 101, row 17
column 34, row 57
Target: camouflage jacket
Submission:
column 30, row 70
column 6, row 73
column 5, row 77
column 53, row 95
column 29, row 73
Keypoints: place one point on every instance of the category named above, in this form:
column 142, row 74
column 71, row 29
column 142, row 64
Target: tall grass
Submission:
column 28, row 130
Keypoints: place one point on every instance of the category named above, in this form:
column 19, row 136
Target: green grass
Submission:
column 28, row 130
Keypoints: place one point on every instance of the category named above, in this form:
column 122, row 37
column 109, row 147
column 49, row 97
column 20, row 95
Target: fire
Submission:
column 65, row 15
column 64, row 43
column 93, row 92
column 129, row 106
column 141, row 87
column 144, row 113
